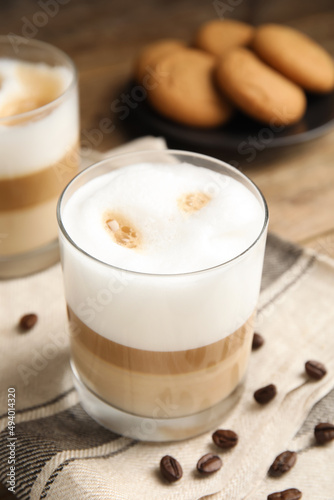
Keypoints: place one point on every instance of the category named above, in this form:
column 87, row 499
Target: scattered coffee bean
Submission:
column 324, row 433
column 265, row 394
column 290, row 494
column 209, row 464
column 170, row 469
column 315, row 369
column 225, row 438
column 28, row 321
column 258, row 341
column 283, row 463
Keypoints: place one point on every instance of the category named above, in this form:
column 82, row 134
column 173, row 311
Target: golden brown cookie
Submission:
column 296, row 56
column 186, row 92
column 217, row 37
column 151, row 54
column 259, row 90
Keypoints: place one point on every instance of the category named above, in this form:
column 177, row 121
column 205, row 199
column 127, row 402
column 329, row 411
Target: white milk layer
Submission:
column 161, row 312
column 35, row 140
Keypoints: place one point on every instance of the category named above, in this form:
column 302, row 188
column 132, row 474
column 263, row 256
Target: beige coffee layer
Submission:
column 160, row 384
column 27, row 229
column 28, row 206
column 38, row 187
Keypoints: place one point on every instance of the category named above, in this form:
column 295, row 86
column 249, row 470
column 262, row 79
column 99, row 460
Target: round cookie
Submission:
column 259, row 90
column 186, row 92
column 296, row 56
column 152, row 53
column 217, row 37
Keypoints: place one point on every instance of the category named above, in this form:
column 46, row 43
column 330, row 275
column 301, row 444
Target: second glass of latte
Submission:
column 39, row 136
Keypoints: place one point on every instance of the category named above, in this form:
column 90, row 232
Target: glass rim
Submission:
column 4, row 40
column 172, row 152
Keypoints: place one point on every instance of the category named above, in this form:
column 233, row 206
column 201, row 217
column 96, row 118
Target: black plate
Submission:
column 241, row 132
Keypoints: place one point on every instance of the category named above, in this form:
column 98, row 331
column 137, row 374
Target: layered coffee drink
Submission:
column 39, row 131
column 162, row 266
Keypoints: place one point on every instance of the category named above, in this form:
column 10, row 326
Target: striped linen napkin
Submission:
column 61, row 453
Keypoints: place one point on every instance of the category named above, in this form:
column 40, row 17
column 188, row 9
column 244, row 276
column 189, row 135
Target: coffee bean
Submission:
column 283, row 463
column 170, row 469
column 324, row 433
column 290, row 494
column 209, row 464
column 225, row 438
column 265, row 394
column 315, row 369
column 258, row 341
column 28, row 321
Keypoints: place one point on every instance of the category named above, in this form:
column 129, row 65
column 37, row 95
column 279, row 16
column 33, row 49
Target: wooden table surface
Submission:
column 103, row 39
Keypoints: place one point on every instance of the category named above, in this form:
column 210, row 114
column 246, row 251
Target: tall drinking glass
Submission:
column 155, row 356
column 39, row 137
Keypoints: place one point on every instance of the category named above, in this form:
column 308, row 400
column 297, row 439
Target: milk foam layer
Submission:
column 176, row 218
column 164, row 312
column 30, row 143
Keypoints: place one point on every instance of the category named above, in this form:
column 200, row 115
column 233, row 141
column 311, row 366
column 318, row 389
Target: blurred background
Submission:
column 103, row 37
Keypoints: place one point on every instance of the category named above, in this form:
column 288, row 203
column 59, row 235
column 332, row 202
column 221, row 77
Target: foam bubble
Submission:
column 163, row 219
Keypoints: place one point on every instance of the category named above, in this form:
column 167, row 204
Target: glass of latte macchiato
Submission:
column 162, row 255
column 39, row 135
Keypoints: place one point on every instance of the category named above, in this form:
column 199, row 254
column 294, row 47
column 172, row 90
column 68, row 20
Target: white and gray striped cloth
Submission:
column 61, row 453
